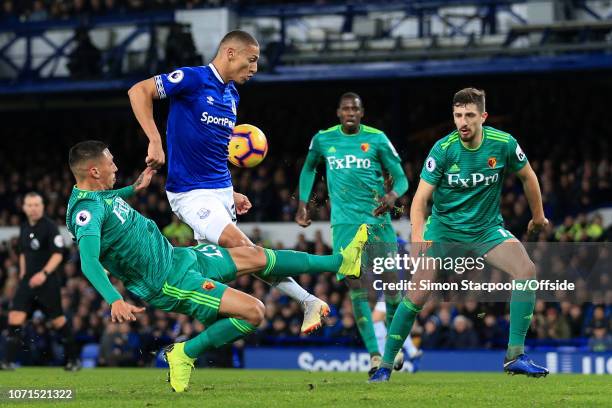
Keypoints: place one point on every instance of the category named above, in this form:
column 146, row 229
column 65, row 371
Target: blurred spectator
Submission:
column 118, row 346
column 575, row 320
column 9, row 15
column 304, row 245
column 431, row 337
column 595, row 229
column 135, row 5
column 177, row 232
column 78, row 8
column 180, row 48
column 84, row 60
column 553, row 325
column 491, row 334
column 600, row 341
column 599, row 320
column 39, row 13
column 95, row 7
column 349, row 328
column 463, row 335
column 112, row 7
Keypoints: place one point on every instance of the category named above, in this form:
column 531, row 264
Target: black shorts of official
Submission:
column 46, row 297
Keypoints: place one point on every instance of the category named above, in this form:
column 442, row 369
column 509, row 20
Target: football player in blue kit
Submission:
column 203, row 107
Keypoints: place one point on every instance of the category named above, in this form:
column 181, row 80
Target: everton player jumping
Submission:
column 203, row 108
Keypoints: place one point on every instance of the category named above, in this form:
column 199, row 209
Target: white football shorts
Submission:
column 207, row 212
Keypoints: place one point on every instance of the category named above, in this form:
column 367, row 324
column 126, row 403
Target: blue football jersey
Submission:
column 200, row 123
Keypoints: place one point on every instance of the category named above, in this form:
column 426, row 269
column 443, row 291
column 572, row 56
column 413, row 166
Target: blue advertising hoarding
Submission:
column 347, row 359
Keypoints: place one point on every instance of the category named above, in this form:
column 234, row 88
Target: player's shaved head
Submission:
column 237, row 57
column 83, row 152
column 352, row 96
column 468, row 96
column 237, row 36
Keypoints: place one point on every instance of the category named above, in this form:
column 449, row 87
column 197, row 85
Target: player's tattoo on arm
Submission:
column 143, row 180
column 138, row 180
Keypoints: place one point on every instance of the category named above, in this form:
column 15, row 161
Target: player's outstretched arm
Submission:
column 531, row 186
column 141, row 97
column 89, row 248
column 141, row 183
column 418, row 211
column 121, row 311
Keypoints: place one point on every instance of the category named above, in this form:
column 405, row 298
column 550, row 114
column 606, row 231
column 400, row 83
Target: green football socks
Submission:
column 219, row 333
column 363, row 319
column 391, row 303
column 399, row 329
column 522, row 304
column 291, row 263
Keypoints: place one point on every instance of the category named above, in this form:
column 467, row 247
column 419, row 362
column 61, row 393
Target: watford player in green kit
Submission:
column 355, row 157
column 464, row 174
column 113, row 237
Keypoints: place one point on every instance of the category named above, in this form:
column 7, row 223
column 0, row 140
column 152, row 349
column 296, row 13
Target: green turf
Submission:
column 110, row 388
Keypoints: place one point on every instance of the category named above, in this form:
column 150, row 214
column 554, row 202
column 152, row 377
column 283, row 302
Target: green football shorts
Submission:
column 194, row 287
column 382, row 241
column 448, row 242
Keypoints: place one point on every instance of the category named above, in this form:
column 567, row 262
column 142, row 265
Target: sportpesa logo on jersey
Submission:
column 209, row 119
column 347, row 162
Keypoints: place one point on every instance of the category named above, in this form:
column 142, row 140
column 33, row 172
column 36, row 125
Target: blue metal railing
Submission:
column 140, row 24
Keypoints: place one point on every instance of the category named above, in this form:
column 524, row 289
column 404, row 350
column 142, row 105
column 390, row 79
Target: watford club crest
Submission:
column 492, row 162
column 208, row 285
column 365, row 147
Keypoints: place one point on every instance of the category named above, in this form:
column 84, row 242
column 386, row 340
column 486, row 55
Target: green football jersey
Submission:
column 354, row 166
column 469, row 181
column 131, row 246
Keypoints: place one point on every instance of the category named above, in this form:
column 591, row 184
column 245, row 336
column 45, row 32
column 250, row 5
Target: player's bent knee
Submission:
column 239, row 242
column 256, row 313
column 530, row 270
column 524, row 270
column 419, row 299
column 259, row 257
column 232, row 237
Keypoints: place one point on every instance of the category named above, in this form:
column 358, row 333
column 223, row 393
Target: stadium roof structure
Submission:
column 560, row 46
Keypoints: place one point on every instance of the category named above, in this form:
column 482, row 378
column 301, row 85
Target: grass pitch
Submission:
column 110, row 388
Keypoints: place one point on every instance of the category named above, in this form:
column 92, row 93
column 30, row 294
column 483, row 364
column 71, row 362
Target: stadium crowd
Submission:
column 441, row 325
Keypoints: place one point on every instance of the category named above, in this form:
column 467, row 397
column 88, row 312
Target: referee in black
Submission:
column 40, row 253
